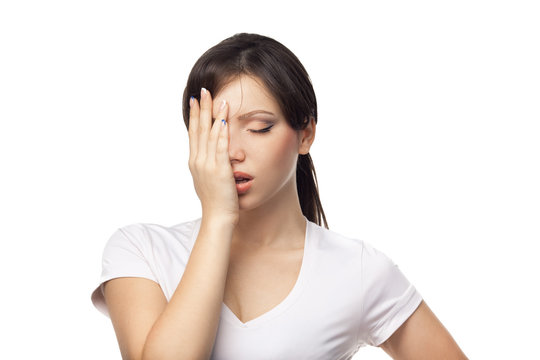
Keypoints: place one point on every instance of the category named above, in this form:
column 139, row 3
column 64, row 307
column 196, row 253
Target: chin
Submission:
column 250, row 201
column 244, row 203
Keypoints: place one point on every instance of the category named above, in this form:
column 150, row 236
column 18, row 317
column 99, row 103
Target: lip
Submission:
column 242, row 188
column 239, row 174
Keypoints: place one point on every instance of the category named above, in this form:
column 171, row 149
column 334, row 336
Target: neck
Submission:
column 278, row 223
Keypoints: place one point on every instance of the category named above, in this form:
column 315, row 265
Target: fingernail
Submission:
column 191, row 101
column 203, row 91
column 223, row 105
column 222, row 122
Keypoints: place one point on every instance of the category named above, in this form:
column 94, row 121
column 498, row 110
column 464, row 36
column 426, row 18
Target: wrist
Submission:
column 221, row 222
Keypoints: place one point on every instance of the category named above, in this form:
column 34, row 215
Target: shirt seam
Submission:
column 381, row 328
column 359, row 327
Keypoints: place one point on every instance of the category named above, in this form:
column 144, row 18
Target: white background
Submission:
column 427, row 146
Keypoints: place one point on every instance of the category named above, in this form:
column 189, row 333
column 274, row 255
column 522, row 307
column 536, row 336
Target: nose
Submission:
column 236, row 151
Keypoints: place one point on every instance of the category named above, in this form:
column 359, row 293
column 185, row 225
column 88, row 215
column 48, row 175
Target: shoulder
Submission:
column 145, row 236
column 146, row 250
column 361, row 250
column 352, row 257
column 328, row 240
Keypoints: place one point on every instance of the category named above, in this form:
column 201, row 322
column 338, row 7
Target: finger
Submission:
column 216, row 128
column 205, row 122
column 193, row 128
column 222, row 146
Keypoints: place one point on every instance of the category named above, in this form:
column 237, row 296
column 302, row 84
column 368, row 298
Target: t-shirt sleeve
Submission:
column 124, row 256
column 388, row 298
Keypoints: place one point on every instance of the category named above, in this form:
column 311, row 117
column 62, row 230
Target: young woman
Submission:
column 257, row 276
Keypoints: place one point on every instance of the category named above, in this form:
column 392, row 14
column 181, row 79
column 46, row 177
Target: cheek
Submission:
column 280, row 152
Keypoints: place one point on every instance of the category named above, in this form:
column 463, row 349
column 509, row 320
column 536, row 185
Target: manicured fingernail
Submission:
column 191, row 101
column 203, row 91
column 222, row 122
column 223, row 105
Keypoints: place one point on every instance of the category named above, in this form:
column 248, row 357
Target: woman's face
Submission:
column 269, row 157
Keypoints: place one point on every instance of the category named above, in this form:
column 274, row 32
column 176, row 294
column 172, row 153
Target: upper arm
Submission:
column 134, row 305
column 422, row 336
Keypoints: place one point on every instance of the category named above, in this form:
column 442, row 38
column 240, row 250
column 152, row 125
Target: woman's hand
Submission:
column 209, row 160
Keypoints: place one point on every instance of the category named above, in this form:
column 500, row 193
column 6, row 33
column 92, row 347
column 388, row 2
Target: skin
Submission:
column 270, row 212
column 270, row 218
column 422, row 337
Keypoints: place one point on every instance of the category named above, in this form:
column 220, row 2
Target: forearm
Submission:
column 187, row 327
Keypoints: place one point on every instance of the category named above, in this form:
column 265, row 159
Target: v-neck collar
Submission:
column 228, row 315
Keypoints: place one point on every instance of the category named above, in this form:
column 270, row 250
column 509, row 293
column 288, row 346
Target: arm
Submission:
column 422, row 336
column 147, row 327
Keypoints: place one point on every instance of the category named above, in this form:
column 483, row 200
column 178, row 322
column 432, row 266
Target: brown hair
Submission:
column 284, row 77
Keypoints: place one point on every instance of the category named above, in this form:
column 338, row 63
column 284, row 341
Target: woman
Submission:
column 257, row 276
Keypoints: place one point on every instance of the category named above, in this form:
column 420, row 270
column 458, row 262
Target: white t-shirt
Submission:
column 347, row 294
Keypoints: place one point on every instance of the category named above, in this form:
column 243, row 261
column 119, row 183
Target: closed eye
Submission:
column 262, row 130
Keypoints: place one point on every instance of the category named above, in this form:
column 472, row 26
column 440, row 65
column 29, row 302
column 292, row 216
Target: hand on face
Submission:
column 209, row 160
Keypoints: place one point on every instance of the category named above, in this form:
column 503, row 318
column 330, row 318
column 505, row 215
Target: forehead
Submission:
column 244, row 94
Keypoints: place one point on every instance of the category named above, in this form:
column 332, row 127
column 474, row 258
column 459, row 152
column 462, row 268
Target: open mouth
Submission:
column 243, row 181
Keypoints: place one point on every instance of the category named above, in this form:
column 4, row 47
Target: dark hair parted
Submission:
column 284, row 77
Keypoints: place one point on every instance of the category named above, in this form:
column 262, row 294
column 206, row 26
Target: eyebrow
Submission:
column 251, row 113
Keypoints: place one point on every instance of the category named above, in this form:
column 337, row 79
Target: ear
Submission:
column 307, row 136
